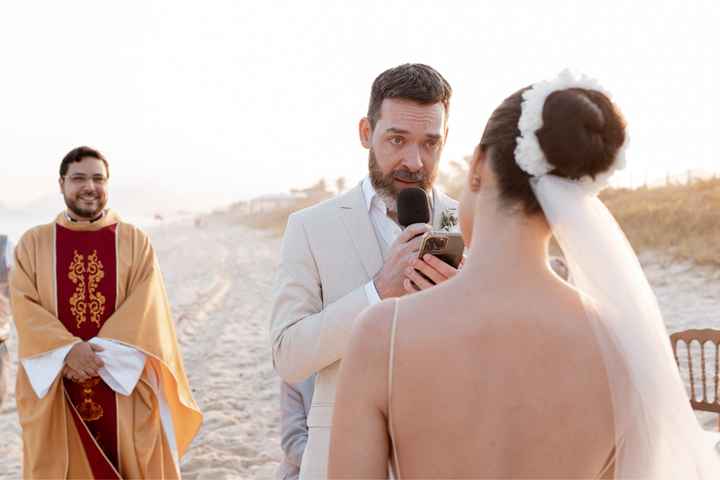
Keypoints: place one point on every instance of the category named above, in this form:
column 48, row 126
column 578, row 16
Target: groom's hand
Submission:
column 427, row 272
column 389, row 280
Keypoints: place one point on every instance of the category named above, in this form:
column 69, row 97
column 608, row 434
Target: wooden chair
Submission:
column 707, row 402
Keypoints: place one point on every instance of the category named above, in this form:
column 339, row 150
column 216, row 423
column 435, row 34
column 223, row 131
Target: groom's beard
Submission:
column 384, row 184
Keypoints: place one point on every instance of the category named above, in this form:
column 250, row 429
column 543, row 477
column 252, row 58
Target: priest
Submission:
column 101, row 388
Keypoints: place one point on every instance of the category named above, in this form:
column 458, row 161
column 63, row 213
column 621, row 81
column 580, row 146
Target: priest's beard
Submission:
column 384, row 183
column 80, row 206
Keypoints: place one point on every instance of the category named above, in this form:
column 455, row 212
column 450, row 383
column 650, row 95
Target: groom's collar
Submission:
column 370, row 194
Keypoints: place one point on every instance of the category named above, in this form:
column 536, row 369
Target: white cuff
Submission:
column 123, row 365
column 43, row 369
column 372, row 294
column 122, row 370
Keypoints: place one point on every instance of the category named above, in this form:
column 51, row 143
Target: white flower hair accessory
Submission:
column 528, row 153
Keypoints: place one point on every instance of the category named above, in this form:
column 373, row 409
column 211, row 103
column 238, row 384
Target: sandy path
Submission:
column 221, row 300
column 219, row 280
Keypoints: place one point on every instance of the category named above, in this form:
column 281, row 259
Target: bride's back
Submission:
column 499, row 383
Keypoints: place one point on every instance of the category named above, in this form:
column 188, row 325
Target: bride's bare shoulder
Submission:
column 371, row 330
column 365, row 360
column 375, row 319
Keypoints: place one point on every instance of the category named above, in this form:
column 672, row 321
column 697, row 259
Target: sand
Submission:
column 219, row 280
column 689, row 297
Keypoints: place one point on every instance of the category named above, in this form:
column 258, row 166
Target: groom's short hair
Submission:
column 412, row 81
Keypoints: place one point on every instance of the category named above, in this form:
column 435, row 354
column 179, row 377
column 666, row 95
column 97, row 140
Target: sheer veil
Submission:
column 657, row 434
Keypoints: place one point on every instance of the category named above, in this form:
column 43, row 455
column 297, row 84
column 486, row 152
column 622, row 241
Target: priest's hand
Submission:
column 83, row 359
column 73, row 375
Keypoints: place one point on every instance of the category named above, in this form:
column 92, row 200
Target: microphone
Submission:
column 413, row 206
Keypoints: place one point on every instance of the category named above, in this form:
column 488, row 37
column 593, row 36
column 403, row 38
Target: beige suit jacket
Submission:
column 329, row 253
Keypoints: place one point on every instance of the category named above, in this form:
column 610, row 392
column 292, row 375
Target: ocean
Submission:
column 15, row 223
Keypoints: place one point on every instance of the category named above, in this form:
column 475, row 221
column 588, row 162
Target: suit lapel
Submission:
column 356, row 219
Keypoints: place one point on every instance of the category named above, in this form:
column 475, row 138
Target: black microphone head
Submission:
column 413, row 206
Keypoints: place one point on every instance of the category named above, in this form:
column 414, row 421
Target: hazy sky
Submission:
column 242, row 98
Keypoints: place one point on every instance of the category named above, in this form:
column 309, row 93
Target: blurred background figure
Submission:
column 295, row 400
column 6, row 250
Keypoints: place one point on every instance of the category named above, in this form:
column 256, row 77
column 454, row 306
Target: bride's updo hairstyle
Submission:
column 581, row 135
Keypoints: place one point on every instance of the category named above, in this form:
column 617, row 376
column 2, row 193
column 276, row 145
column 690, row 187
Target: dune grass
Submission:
column 680, row 220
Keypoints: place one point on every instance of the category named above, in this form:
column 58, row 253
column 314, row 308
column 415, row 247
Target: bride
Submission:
column 507, row 371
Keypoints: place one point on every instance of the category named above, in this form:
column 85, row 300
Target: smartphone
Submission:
column 447, row 246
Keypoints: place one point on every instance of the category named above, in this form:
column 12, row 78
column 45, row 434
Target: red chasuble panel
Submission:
column 86, row 293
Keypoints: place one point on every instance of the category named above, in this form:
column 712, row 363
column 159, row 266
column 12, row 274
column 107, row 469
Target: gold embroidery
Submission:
column 78, row 303
column 77, row 276
column 97, row 299
column 88, row 409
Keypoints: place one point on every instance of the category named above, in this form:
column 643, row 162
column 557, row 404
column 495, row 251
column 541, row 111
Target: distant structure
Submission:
column 341, row 184
column 273, row 201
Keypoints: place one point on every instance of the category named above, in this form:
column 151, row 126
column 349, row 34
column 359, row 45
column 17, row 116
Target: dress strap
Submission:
column 609, row 464
column 395, row 460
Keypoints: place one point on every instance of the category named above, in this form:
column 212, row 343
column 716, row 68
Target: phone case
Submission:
column 447, row 246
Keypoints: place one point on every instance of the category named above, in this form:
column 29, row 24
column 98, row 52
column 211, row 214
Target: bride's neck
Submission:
column 506, row 244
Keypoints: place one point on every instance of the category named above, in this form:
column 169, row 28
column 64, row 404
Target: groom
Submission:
column 345, row 254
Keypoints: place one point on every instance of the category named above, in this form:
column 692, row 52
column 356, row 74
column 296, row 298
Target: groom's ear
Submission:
column 477, row 167
column 365, row 132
